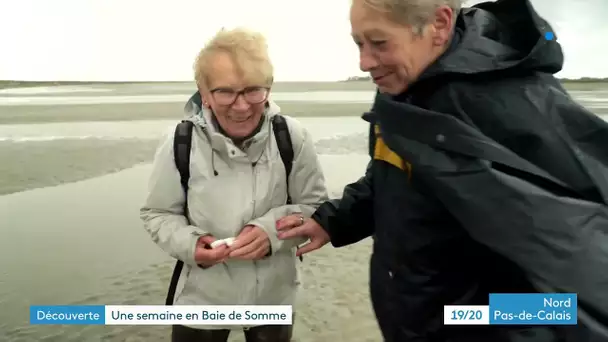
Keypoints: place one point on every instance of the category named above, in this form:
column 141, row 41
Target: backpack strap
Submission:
column 182, row 143
column 283, row 138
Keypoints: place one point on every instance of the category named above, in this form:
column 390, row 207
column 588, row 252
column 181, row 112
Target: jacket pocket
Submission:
column 277, row 279
column 210, row 286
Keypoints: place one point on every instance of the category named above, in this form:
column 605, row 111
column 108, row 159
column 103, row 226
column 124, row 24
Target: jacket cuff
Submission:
column 325, row 216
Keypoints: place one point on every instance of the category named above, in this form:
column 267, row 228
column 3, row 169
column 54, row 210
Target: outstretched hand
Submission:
column 293, row 226
column 252, row 243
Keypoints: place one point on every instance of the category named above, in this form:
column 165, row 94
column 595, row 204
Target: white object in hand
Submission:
column 228, row 242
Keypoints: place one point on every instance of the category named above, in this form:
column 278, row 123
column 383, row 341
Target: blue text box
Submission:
column 533, row 308
column 68, row 314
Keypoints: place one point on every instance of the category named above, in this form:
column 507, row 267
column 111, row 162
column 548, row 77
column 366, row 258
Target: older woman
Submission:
column 237, row 187
column 486, row 176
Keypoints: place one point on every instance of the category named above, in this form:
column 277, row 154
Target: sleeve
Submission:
column 559, row 238
column 307, row 188
column 163, row 211
column 351, row 218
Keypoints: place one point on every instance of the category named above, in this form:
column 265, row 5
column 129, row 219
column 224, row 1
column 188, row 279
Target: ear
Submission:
column 204, row 95
column 442, row 25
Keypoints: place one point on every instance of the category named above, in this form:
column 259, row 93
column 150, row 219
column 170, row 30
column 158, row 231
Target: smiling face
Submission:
column 237, row 103
column 395, row 55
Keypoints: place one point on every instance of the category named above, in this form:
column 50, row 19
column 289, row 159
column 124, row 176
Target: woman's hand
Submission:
column 205, row 256
column 294, row 226
column 252, row 243
column 290, row 221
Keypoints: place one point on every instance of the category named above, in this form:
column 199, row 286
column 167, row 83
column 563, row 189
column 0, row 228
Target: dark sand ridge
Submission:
column 37, row 164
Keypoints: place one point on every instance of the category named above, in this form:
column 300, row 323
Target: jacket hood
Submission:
column 501, row 35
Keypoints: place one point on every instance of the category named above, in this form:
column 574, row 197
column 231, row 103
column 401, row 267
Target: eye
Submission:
column 378, row 43
column 224, row 91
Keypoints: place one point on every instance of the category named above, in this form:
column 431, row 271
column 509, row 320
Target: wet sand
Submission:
column 97, row 253
column 39, row 164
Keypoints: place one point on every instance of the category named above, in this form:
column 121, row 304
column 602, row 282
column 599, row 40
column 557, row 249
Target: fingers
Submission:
column 246, row 230
column 258, row 253
column 206, row 239
column 219, row 252
column 244, row 239
column 309, row 247
column 301, row 231
column 249, row 248
column 259, row 243
column 209, row 257
column 290, row 221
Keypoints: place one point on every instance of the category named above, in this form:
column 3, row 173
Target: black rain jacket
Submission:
column 498, row 183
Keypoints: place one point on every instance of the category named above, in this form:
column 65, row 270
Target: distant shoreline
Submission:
column 5, row 84
column 563, row 80
column 22, row 84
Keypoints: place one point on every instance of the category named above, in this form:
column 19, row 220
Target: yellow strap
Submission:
column 383, row 152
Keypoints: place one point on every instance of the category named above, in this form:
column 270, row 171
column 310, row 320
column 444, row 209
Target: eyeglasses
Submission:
column 228, row 96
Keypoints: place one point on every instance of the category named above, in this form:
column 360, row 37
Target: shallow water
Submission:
column 152, row 129
column 596, row 100
column 313, row 96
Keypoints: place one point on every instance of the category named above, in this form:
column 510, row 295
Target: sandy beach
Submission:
column 76, row 176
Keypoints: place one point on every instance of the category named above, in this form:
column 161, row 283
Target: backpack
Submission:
column 182, row 143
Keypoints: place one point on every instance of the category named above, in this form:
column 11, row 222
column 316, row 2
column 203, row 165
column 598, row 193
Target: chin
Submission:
column 392, row 90
column 241, row 131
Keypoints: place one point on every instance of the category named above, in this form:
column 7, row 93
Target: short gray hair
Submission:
column 415, row 13
column 248, row 49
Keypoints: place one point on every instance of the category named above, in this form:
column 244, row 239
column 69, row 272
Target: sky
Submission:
column 309, row 40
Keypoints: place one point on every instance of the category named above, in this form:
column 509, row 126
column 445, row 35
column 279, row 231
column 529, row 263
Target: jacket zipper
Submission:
column 253, row 190
column 253, row 196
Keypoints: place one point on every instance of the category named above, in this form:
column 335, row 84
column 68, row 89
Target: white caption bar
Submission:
column 198, row 314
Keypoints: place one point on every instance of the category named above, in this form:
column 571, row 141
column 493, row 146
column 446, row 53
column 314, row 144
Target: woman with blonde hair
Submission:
column 238, row 187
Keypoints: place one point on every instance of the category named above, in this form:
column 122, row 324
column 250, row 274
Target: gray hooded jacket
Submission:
column 249, row 189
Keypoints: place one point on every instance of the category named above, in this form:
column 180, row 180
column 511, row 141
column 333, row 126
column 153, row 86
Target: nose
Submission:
column 240, row 104
column 367, row 61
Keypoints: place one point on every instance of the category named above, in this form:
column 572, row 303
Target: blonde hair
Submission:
column 415, row 13
column 248, row 50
